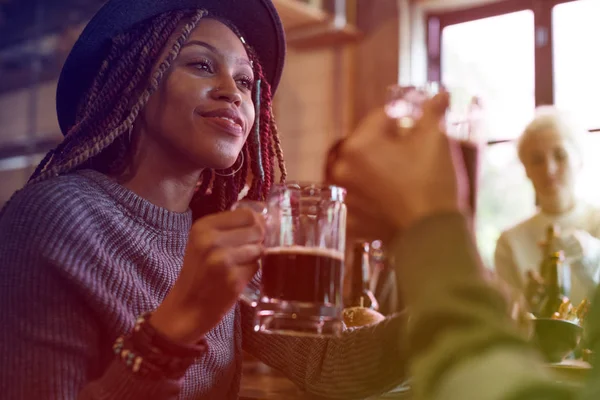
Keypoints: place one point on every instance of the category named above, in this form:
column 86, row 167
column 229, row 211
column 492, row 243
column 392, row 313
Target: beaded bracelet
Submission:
column 147, row 353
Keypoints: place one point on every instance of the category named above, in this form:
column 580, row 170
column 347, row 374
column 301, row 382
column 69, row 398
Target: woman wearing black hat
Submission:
column 121, row 267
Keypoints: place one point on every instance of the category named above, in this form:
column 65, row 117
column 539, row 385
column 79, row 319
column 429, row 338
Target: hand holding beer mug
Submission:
column 396, row 174
column 301, row 284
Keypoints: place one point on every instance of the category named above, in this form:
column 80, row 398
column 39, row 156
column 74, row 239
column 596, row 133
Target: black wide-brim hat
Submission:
column 257, row 20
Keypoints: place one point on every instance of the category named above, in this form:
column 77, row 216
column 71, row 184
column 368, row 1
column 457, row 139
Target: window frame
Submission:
column 544, row 60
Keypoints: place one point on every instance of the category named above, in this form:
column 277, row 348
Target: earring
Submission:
column 235, row 171
column 261, row 171
column 130, row 134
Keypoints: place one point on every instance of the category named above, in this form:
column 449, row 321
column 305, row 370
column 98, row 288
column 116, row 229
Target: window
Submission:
column 577, row 80
column 492, row 58
column 505, row 196
column 514, row 55
column 577, row 59
column 588, row 185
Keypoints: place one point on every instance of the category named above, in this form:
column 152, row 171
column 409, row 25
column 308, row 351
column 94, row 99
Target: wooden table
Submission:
column 260, row 382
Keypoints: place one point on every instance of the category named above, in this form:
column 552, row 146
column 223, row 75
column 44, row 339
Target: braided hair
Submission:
column 100, row 137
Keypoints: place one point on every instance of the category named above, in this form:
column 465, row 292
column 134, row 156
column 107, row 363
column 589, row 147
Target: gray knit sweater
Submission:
column 81, row 257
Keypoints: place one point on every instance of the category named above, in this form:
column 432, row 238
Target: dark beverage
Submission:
column 302, row 274
column 385, row 288
column 301, row 289
column 471, row 154
column 361, row 295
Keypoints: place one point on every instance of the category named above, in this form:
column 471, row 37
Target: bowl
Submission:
column 556, row 338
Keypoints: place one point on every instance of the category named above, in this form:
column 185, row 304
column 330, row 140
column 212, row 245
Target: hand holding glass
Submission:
column 300, row 290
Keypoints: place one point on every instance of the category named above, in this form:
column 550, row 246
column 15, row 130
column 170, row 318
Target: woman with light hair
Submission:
column 551, row 150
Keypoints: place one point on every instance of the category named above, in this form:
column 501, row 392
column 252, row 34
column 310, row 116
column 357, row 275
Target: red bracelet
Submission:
column 148, row 353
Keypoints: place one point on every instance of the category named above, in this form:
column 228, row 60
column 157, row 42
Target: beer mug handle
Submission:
column 251, row 293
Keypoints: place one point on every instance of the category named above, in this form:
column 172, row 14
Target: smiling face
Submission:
column 203, row 110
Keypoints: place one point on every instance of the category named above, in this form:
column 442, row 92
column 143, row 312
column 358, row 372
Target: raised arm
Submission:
column 461, row 337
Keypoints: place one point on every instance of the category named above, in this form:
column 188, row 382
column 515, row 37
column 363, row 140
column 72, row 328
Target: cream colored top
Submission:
column 518, row 250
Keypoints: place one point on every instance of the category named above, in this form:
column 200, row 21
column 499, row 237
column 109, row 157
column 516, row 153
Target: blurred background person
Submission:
column 551, row 151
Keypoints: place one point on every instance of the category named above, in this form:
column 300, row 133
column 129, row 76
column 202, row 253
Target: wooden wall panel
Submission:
column 325, row 92
column 312, row 108
column 11, row 181
column 376, row 58
column 15, row 114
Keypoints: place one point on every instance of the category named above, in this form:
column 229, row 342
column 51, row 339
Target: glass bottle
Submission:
column 554, row 289
column 360, row 294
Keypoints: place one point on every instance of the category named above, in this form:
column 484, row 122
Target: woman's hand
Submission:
column 221, row 258
column 582, row 254
column 535, row 290
column 578, row 246
column 393, row 180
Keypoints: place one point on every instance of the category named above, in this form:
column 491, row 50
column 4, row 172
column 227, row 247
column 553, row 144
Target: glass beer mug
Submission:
column 300, row 291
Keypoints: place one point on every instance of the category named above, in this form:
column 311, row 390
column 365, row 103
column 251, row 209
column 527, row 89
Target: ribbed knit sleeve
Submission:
column 50, row 342
column 60, row 295
column 463, row 343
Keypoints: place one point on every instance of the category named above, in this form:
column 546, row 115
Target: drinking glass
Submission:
column 405, row 104
column 300, row 290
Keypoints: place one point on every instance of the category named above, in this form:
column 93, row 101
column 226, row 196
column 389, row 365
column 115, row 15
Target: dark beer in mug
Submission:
column 302, row 274
column 300, row 291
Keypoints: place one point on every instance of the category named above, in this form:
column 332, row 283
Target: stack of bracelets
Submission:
column 149, row 354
